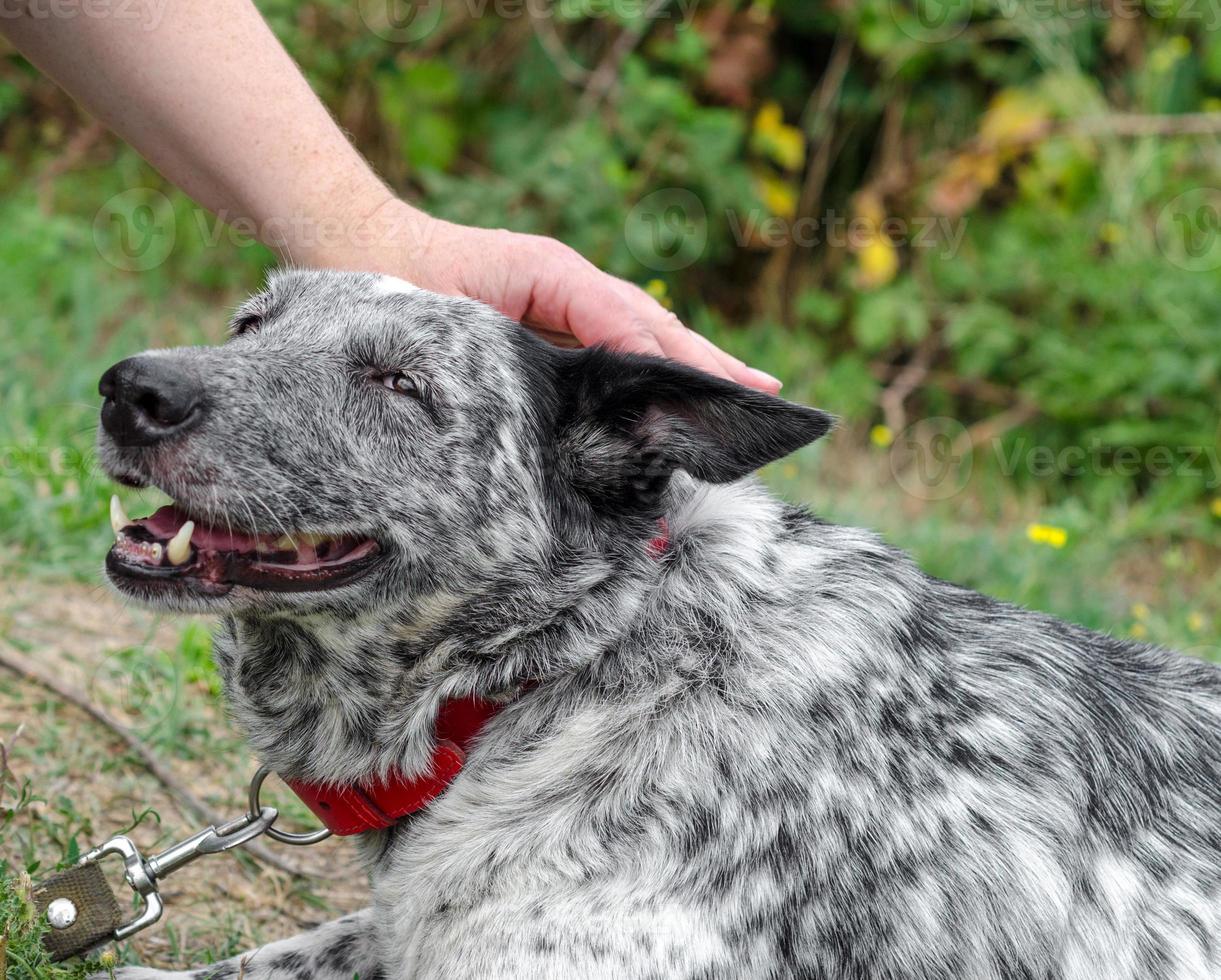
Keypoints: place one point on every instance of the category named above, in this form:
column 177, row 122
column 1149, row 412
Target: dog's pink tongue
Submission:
column 166, row 521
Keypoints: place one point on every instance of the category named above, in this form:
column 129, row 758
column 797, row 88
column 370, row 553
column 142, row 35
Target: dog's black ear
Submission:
column 627, row 422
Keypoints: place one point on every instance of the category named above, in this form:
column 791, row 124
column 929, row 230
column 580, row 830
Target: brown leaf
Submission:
column 741, row 54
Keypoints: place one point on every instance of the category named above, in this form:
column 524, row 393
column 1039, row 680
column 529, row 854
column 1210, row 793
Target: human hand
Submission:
column 549, row 287
column 281, row 162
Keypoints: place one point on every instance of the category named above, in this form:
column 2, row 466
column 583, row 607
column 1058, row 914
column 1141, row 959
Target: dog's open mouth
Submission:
column 170, row 550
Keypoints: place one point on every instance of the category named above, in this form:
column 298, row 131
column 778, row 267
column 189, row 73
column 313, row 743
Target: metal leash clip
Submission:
column 142, row 874
column 81, row 909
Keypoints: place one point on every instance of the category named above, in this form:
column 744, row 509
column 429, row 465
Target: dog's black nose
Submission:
column 150, row 398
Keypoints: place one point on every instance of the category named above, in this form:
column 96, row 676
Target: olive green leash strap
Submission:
column 81, row 910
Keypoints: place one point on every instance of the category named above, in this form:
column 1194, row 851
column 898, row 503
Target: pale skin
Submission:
column 203, row 89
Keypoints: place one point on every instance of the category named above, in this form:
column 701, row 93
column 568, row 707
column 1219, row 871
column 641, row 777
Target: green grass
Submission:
column 22, row 956
column 67, row 783
column 1110, row 574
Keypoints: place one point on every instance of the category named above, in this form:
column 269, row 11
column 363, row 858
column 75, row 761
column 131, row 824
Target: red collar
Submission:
column 354, row 809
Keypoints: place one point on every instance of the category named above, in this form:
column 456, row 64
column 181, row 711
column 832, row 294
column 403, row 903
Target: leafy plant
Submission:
column 22, row 956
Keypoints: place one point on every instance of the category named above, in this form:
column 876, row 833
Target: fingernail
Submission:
column 767, row 378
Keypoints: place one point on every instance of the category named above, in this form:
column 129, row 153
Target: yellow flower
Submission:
column 1195, row 622
column 658, row 289
column 1140, row 611
column 1166, row 55
column 876, row 263
column 779, row 196
column 769, row 118
column 1216, row 507
column 1111, row 233
column 107, row 958
column 785, row 145
column 1055, row 537
column 1180, row 45
column 1139, row 631
column 789, row 471
column 880, row 435
column 1013, row 118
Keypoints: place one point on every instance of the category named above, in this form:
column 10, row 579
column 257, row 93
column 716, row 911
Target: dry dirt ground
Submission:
column 90, row 785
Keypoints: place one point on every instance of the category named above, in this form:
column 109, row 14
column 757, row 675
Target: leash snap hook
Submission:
column 142, row 874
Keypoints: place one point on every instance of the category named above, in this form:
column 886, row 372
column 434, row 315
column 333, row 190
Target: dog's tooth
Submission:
column 118, row 516
column 179, row 548
column 154, row 553
column 285, row 543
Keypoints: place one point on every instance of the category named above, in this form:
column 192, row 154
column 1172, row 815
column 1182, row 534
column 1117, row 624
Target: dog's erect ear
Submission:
column 627, row 422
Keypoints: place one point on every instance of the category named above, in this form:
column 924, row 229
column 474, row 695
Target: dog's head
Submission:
column 358, row 439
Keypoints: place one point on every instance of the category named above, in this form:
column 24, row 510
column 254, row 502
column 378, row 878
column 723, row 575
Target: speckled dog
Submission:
column 769, row 748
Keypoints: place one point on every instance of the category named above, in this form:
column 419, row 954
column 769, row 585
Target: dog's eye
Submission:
column 246, row 324
column 398, row 382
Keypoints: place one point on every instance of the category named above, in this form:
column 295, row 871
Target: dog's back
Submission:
column 811, row 760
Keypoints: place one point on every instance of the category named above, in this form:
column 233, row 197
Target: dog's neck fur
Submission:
column 360, row 693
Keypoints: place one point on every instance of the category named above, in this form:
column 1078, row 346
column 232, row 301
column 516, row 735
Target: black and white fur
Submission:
column 779, row 751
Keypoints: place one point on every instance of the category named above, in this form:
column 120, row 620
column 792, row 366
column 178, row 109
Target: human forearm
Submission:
column 208, row 95
column 205, row 92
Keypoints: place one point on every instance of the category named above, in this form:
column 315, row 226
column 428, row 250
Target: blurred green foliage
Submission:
column 1007, row 213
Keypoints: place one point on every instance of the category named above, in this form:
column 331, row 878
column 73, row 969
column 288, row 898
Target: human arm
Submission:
column 206, row 93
